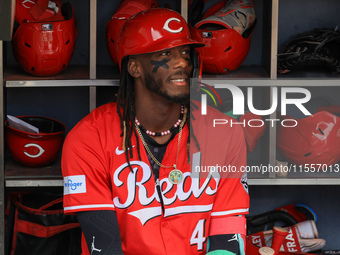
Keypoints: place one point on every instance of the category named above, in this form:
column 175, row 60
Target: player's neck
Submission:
column 156, row 114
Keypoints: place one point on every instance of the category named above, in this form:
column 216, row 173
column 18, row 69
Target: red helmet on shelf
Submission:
column 35, row 150
column 314, row 140
column 141, row 34
column 227, row 36
column 125, row 10
column 45, row 48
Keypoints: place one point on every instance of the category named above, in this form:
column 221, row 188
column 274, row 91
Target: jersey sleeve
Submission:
column 232, row 197
column 84, row 165
column 100, row 229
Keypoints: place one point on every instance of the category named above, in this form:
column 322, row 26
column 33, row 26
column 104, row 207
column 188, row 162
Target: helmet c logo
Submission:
column 167, row 28
column 26, row 6
column 41, row 150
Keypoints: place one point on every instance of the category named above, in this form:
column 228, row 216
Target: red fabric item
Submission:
column 38, row 9
column 228, row 225
column 38, row 230
column 38, row 225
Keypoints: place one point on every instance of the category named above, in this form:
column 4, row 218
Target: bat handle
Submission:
column 279, row 235
column 266, row 251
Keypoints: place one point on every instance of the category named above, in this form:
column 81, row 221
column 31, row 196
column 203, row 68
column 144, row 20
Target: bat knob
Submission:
column 266, row 251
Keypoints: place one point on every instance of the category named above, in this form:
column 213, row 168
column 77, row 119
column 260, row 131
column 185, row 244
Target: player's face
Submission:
column 168, row 72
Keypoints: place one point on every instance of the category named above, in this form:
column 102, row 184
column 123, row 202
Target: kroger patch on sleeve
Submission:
column 74, row 184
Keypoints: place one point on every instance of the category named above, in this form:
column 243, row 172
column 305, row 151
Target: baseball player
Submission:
column 127, row 167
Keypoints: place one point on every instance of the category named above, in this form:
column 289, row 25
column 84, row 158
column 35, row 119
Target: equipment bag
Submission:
column 41, row 227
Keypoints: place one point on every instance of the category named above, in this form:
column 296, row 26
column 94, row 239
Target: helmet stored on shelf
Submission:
column 314, row 140
column 227, row 35
column 35, row 150
column 45, row 47
column 141, row 34
column 125, row 10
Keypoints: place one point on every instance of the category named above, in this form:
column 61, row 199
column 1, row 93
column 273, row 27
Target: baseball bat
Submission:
column 279, row 235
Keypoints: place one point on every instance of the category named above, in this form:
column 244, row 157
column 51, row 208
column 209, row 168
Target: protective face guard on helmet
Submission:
column 226, row 35
column 38, row 11
column 141, row 34
column 45, row 48
column 237, row 15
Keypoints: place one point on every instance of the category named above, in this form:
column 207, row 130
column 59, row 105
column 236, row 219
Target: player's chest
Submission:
column 136, row 186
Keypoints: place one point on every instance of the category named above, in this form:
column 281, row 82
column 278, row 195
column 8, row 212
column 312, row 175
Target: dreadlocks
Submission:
column 126, row 111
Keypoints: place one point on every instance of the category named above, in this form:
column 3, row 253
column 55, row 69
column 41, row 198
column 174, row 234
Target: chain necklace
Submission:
column 175, row 176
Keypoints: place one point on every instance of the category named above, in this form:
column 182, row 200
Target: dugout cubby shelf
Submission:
column 91, row 76
column 14, row 73
column 18, row 176
column 258, row 70
column 60, row 83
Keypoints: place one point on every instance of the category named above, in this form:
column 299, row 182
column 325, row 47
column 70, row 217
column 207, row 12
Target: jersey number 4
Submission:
column 198, row 235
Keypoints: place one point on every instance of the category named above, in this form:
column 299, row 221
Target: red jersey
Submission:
column 97, row 177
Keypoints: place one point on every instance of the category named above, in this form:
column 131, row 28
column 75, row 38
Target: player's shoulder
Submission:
column 108, row 110
column 101, row 114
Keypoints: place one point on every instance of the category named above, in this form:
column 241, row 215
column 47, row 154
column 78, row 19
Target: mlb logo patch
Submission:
column 206, row 34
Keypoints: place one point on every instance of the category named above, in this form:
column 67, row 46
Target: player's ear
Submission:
column 134, row 67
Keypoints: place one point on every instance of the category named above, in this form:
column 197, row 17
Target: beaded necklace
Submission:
column 166, row 132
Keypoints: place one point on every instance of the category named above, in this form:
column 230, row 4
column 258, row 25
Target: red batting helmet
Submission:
column 34, row 150
column 141, row 34
column 227, row 35
column 125, row 10
column 314, row 140
column 45, row 48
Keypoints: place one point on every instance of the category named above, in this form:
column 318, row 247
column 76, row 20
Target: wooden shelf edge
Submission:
column 33, row 183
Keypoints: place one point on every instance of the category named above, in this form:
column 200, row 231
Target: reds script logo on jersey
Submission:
column 137, row 190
